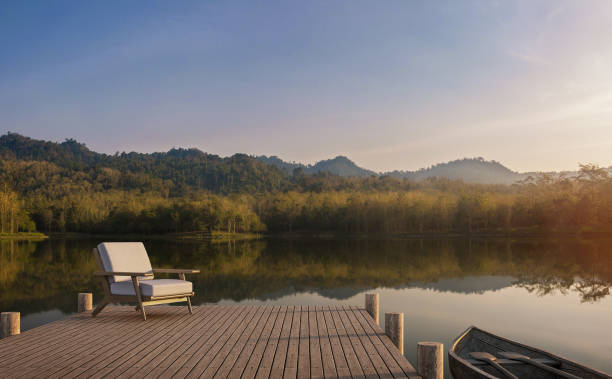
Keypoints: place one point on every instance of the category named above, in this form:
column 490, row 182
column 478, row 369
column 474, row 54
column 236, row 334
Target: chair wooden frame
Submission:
column 141, row 300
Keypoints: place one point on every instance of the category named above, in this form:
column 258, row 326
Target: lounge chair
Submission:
column 127, row 277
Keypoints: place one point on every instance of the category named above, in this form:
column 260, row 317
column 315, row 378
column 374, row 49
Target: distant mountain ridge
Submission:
column 339, row 165
column 177, row 170
column 470, row 170
column 195, row 168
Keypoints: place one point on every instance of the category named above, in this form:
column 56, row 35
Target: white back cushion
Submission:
column 124, row 257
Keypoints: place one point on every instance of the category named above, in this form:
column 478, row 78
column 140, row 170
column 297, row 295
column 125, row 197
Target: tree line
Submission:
column 65, row 187
column 543, row 203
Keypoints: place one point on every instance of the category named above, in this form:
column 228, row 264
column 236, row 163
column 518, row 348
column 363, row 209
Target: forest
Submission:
column 65, row 187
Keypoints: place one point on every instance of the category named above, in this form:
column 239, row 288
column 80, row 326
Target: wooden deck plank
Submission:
column 45, row 336
column 265, row 365
column 349, row 353
column 341, row 363
column 209, row 364
column 243, row 343
column 379, row 364
column 189, row 355
column 291, row 362
column 364, row 359
column 247, row 363
column 374, row 334
column 133, row 342
column 61, row 358
column 278, row 364
column 303, row 366
column 36, row 355
column 392, row 354
column 316, row 365
column 165, row 346
column 165, row 359
column 216, row 341
column 327, row 356
column 205, row 348
column 81, row 355
column 43, row 346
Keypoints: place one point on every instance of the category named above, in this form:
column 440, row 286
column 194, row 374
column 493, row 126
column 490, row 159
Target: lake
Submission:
column 553, row 294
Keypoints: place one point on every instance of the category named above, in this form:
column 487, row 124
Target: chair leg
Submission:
column 99, row 307
column 138, row 296
column 189, row 305
column 182, row 277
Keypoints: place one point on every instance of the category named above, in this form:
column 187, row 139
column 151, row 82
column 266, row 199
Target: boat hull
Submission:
column 462, row 366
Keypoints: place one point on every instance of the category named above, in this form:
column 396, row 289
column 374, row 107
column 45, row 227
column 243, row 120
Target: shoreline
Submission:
column 23, row 236
column 217, row 236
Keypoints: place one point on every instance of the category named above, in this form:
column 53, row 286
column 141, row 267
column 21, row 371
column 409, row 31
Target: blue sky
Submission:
column 391, row 84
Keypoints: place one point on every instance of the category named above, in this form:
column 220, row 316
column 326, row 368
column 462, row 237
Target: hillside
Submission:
column 470, row 170
column 24, row 160
column 339, row 165
column 66, row 187
column 182, row 170
column 342, row 166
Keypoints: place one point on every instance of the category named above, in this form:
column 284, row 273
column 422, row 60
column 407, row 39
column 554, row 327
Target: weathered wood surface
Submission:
column 371, row 305
column 10, row 324
column 216, row 341
column 85, row 302
column 430, row 360
column 478, row 340
column 394, row 328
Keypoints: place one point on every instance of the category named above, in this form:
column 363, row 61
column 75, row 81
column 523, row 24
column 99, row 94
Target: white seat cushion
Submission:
column 124, row 257
column 155, row 287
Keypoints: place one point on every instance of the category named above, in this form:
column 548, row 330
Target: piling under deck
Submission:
column 216, row 341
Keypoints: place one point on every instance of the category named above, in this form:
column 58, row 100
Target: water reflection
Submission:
column 550, row 294
column 41, row 276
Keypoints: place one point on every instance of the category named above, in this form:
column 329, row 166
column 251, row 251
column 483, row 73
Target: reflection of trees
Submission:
column 541, row 267
column 592, row 289
column 545, row 286
column 584, row 267
column 11, row 263
column 37, row 276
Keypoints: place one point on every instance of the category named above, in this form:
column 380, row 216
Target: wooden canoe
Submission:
column 463, row 366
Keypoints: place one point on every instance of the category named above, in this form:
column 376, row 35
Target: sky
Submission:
column 390, row 84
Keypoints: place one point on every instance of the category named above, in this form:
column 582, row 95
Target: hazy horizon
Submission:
column 332, row 157
column 393, row 86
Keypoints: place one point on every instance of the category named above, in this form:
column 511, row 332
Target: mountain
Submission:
column 178, row 171
column 339, row 165
column 286, row 167
column 185, row 169
column 470, row 170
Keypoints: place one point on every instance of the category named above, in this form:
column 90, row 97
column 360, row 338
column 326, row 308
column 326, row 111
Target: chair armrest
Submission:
column 120, row 273
column 174, row 271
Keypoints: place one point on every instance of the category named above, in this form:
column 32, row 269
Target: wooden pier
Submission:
column 216, row 341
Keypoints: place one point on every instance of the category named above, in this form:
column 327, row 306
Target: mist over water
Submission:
column 553, row 294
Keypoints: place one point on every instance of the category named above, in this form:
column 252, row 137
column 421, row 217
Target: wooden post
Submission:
column 10, row 324
column 371, row 305
column 394, row 328
column 85, row 302
column 430, row 360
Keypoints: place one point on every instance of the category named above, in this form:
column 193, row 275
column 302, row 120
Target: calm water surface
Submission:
column 553, row 294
